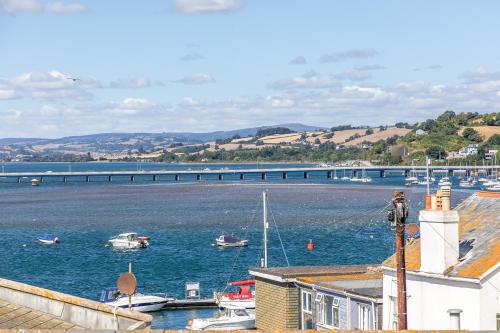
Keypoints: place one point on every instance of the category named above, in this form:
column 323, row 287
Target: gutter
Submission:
column 435, row 276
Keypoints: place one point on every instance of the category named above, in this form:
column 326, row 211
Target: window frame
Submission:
column 306, row 301
column 322, row 313
column 363, row 310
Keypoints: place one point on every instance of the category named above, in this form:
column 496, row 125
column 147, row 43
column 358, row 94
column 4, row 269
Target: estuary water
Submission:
column 346, row 221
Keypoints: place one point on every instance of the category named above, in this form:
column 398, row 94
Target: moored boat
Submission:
column 230, row 241
column 233, row 318
column 49, row 239
column 244, row 297
column 138, row 302
column 129, row 240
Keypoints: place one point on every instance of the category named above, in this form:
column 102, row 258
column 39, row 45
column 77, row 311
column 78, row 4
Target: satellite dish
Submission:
column 412, row 230
column 127, row 283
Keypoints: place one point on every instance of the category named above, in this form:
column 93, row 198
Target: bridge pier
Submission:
column 41, row 179
column 306, row 175
column 285, row 175
column 87, row 179
column 467, row 173
column 132, row 178
column 177, row 178
column 19, row 179
column 65, row 179
column 329, row 175
column 110, row 179
column 221, row 176
column 354, row 173
column 198, row 177
column 242, row 176
column 382, row 173
column 263, row 176
column 407, row 172
column 155, row 178
column 450, row 172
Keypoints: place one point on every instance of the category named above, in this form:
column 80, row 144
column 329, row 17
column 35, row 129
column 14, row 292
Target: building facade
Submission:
column 453, row 269
column 318, row 297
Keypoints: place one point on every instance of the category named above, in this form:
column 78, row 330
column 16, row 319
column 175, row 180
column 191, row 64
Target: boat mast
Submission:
column 266, row 225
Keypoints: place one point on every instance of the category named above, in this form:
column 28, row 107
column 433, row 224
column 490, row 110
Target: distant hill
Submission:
column 119, row 142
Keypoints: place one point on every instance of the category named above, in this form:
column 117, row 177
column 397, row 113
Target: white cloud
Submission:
column 7, row 94
column 309, row 80
column 51, row 85
column 354, row 75
column 131, row 106
column 36, row 6
column 300, row 60
column 192, row 57
column 137, row 82
column 349, row 54
column 206, row 6
column 60, row 7
column 197, row 79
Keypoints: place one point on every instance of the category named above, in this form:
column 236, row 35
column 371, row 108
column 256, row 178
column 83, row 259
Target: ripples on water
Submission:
column 347, row 223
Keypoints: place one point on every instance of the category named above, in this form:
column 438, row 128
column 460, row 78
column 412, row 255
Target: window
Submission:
column 327, row 310
column 393, row 311
column 363, row 317
column 306, row 301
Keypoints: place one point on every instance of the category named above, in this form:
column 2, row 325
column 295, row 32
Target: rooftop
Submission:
column 294, row 272
column 479, row 232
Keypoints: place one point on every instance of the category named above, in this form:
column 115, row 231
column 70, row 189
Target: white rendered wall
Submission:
column 490, row 300
column 429, row 300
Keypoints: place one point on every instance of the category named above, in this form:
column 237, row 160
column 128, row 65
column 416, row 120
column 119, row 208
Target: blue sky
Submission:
column 203, row 65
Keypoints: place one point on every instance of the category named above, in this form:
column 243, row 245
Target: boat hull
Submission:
column 247, row 303
column 237, row 244
column 142, row 304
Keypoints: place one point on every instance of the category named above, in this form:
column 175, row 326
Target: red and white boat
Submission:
column 244, row 297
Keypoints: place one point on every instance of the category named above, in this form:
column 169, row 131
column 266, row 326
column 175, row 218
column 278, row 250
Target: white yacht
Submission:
column 232, row 318
column 138, row 302
column 444, row 181
column 129, row 240
column 244, row 297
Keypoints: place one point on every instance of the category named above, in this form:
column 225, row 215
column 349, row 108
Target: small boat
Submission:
column 364, row 178
column 233, row 318
column 494, row 188
column 49, row 239
column 138, row 302
column 129, row 240
column 243, row 298
column 35, row 182
column 230, row 241
column 465, row 183
column 444, row 181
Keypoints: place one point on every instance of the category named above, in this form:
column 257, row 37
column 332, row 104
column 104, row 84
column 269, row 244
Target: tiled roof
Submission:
column 479, row 232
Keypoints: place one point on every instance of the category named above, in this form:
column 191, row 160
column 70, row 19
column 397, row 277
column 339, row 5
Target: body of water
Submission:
column 346, row 221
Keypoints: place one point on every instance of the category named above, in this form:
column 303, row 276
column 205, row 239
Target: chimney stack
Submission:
column 438, row 233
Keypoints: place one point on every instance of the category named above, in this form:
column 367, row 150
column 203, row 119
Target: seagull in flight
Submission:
column 72, row 78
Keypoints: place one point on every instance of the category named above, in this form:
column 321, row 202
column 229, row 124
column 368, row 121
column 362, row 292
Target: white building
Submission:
column 453, row 270
column 490, row 154
column 469, row 150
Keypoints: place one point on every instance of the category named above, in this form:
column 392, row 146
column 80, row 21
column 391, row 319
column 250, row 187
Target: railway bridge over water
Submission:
column 236, row 174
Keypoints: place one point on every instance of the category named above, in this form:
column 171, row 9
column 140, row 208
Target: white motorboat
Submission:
column 49, row 239
column 466, row 184
column 243, row 298
column 232, row 318
column 230, row 241
column 444, row 181
column 129, row 240
column 138, row 302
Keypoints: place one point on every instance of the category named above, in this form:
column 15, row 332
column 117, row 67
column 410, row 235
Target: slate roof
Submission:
column 479, row 234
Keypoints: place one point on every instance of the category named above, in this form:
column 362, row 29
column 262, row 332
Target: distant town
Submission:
column 465, row 138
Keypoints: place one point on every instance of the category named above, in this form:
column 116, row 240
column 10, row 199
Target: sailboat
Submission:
column 245, row 297
column 364, row 178
column 344, row 177
column 335, row 174
column 412, row 178
column 239, row 307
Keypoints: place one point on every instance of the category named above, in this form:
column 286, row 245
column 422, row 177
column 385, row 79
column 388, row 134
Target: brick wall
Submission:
column 276, row 305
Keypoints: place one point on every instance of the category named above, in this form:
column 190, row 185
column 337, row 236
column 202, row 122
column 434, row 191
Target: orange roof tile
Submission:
column 480, row 226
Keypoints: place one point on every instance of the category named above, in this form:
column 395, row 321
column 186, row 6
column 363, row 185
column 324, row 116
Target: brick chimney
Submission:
column 438, row 234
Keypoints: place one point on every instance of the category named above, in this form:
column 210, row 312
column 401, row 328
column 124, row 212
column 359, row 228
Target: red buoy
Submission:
column 310, row 245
